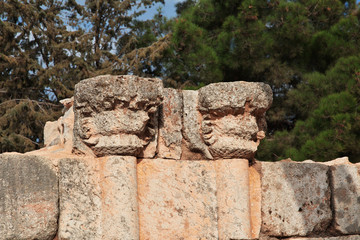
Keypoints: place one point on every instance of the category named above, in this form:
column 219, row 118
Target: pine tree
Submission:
column 31, row 45
column 330, row 105
column 47, row 46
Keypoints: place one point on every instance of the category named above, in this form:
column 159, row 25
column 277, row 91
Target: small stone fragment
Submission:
column 60, row 132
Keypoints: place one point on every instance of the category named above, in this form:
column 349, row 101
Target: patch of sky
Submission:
column 168, row 9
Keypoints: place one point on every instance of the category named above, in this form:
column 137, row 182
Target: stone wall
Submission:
column 133, row 160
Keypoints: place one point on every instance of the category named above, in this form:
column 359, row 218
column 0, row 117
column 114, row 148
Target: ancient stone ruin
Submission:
column 131, row 159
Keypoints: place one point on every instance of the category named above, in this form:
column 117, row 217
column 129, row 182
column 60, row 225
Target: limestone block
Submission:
column 225, row 96
column 177, row 199
column 192, row 124
column 118, row 183
column 115, row 115
column 233, row 117
column 346, row 198
column 99, row 198
column 232, row 181
column 80, row 200
column 28, row 198
column 295, row 198
column 170, row 136
column 255, row 199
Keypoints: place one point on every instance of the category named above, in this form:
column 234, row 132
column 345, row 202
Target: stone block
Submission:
column 98, row 198
column 170, row 136
column 28, row 198
column 115, row 115
column 192, row 125
column 295, row 198
column 177, row 199
column 80, row 200
column 232, row 181
column 255, row 199
column 225, row 96
column 233, row 117
column 346, row 198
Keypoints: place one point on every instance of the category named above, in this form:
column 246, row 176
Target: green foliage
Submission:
column 306, row 50
column 330, row 127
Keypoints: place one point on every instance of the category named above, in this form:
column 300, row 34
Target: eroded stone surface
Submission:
column 98, row 198
column 349, row 237
column 51, row 133
column 232, row 183
column 28, row 198
column 118, row 183
column 192, row 124
column 80, row 200
column 115, row 115
column 170, row 136
column 346, row 198
column 337, row 161
column 295, row 198
column 60, row 132
column 233, row 117
column 233, row 96
column 255, row 199
column 177, row 199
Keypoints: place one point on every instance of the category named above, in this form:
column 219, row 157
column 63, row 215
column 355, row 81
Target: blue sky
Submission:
column 168, row 9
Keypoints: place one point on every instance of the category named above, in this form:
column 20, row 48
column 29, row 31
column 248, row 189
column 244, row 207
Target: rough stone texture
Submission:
column 349, row 237
column 98, row 198
column 118, row 183
column 255, row 199
column 51, row 133
column 192, row 124
column 337, row 161
column 346, row 198
column 115, row 115
column 28, row 198
column 233, row 117
column 234, row 95
column 177, row 199
column 170, row 136
column 60, row 132
column 295, row 198
column 80, row 200
column 232, row 181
